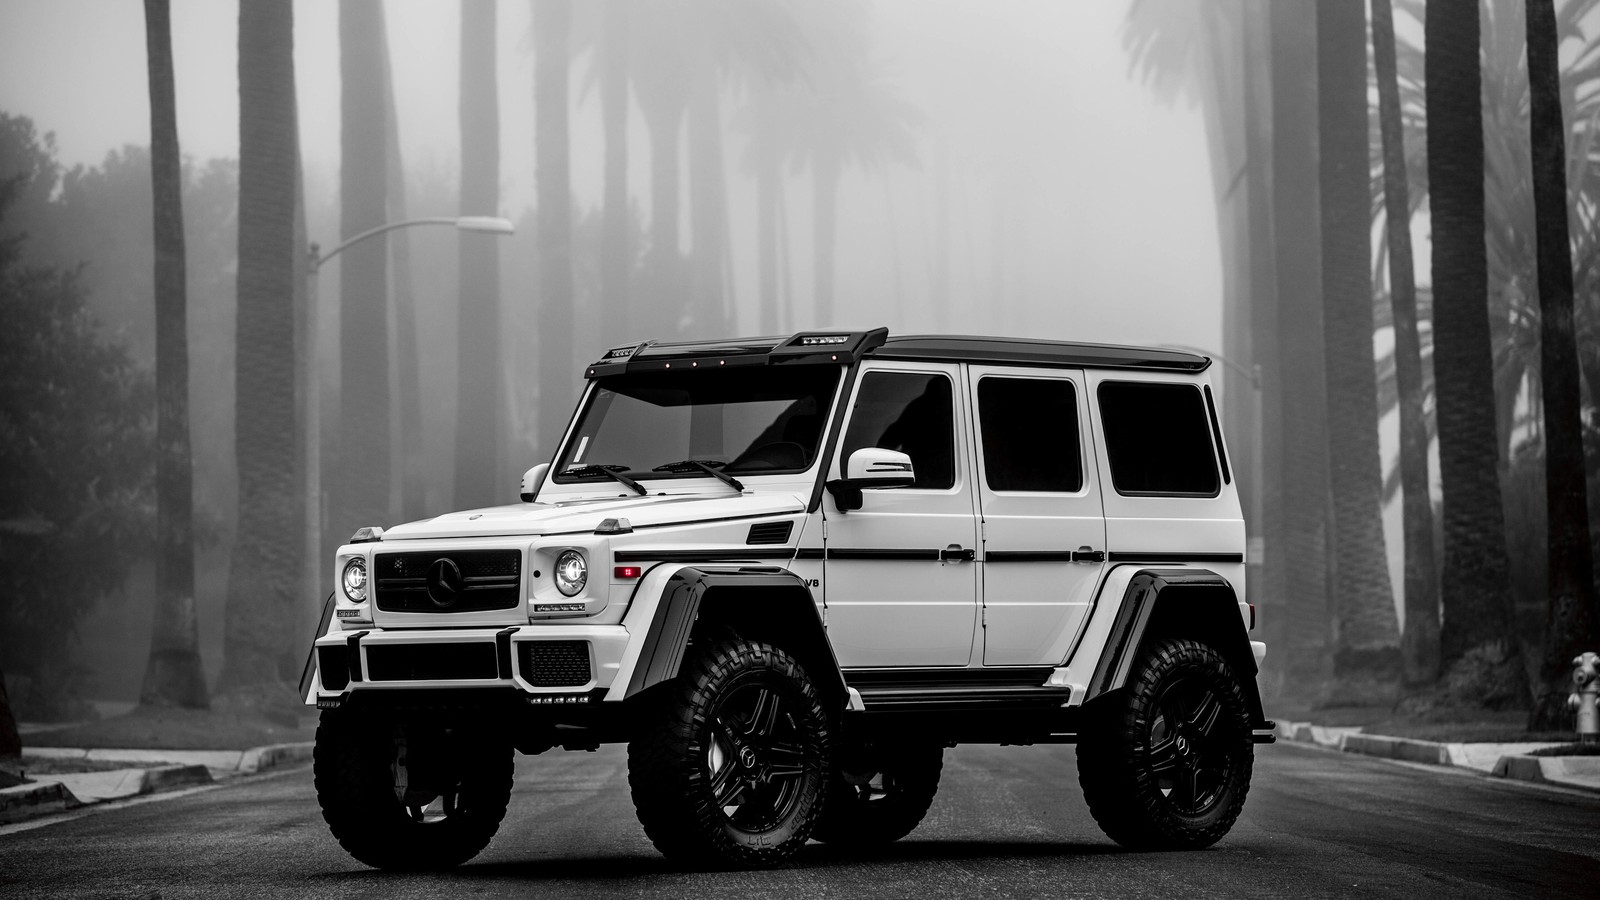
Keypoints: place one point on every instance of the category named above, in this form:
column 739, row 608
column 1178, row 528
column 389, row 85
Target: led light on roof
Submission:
column 825, row 339
column 621, row 352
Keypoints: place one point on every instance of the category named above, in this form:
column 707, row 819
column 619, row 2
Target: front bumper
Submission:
column 545, row 664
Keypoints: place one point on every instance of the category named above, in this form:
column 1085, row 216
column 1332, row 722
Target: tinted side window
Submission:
column 1158, row 438
column 911, row 413
column 1030, row 434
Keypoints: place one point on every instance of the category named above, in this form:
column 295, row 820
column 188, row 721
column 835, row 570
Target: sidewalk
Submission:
column 1500, row 760
column 159, row 771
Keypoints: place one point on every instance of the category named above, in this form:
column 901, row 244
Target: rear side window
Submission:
column 1158, row 439
column 1030, row 434
column 910, row 413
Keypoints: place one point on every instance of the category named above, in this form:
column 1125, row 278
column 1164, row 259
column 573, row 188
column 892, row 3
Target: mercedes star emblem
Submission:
column 444, row 582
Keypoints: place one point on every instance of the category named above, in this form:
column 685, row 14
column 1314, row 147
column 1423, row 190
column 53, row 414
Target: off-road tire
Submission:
column 704, row 737
column 879, row 792
column 1136, row 769
column 355, row 782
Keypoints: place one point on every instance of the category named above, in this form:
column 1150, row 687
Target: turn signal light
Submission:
column 1252, row 617
column 628, row 571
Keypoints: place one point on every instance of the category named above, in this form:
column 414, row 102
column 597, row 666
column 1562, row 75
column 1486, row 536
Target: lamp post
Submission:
column 316, row 513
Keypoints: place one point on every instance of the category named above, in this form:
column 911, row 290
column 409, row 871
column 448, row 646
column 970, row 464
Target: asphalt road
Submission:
column 1008, row 822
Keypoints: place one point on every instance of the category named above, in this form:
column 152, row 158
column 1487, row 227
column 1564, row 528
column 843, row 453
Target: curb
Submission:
column 188, row 768
column 170, row 778
column 26, row 801
column 1581, row 773
column 258, row 759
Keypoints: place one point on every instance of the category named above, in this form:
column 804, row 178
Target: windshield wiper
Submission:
column 613, row 472
column 708, row 466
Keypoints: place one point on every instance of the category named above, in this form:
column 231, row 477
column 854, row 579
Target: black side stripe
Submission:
column 1145, row 556
column 1028, row 556
column 625, row 556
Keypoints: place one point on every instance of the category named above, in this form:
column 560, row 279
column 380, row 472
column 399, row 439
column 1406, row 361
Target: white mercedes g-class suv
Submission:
column 788, row 572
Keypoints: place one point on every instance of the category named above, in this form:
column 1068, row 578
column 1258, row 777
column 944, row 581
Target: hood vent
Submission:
column 770, row 533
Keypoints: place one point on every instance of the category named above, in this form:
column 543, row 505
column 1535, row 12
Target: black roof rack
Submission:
column 848, row 346
column 1028, row 351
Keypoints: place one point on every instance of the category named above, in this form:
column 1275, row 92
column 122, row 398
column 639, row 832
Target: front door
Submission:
column 901, row 587
column 1042, row 519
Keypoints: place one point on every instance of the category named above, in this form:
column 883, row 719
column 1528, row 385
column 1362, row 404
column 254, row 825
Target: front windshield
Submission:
column 756, row 420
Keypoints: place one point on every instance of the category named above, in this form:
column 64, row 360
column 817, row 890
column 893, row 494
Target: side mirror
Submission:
column 870, row 467
column 531, row 480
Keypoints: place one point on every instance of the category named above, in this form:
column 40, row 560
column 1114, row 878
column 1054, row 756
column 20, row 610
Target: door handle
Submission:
column 1085, row 554
column 956, row 553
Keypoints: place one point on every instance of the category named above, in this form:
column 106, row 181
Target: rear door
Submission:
column 1042, row 522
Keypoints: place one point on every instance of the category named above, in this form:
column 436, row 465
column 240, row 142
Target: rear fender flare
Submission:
column 1160, row 603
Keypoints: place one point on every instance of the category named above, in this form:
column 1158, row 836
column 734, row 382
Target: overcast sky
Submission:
column 1111, row 231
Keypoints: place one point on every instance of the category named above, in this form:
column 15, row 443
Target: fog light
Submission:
column 572, row 573
column 355, row 580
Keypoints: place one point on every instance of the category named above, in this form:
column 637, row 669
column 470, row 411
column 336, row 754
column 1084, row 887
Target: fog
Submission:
column 1142, row 172
column 1030, row 109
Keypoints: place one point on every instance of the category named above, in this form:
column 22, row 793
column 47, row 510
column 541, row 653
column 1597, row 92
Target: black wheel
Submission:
column 410, row 795
column 880, row 791
column 1165, row 763
column 730, row 763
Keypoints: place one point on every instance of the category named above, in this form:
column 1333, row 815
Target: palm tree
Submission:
column 173, row 675
column 1476, row 585
column 408, row 353
column 1419, row 643
column 1571, row 619
column 1366, row 633
column 847, row 116
column 361, row 490
column 617, row 267
column 552, row 22
column 478, row 411
column 263, row 581
column 1297, row 399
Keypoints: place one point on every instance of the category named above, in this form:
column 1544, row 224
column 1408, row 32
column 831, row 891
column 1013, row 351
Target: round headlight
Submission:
column 572, row 573
column 355, row 580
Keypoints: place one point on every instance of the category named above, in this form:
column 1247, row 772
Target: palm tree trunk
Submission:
column 552, row 26
column 709, row 201
column 1366, row 633
column 478, row 413
column 824, row 224
column 1475, row 586
column 767, row 243
column 1419, row 642
column 408, row 350
column 617, row 268
column 1302, row 401
column 665, row 120
column 259, row 637
column 1268, row 575
column 10, row 740
column 173, row 676
column 1571, row 617
column 361, row 491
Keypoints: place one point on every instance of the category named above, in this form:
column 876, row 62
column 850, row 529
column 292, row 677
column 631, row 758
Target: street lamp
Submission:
column 316, row 505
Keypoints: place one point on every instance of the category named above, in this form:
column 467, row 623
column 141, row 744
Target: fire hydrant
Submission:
column 1586, row 698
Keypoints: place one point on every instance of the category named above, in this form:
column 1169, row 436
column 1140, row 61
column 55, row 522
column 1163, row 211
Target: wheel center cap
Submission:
column 747, row 757
column 1183, row 746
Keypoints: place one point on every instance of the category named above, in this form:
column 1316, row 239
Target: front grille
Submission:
column 335, row 665
column 554, row 663
column 431, row 662
column 447, row 580
column 769, row 533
